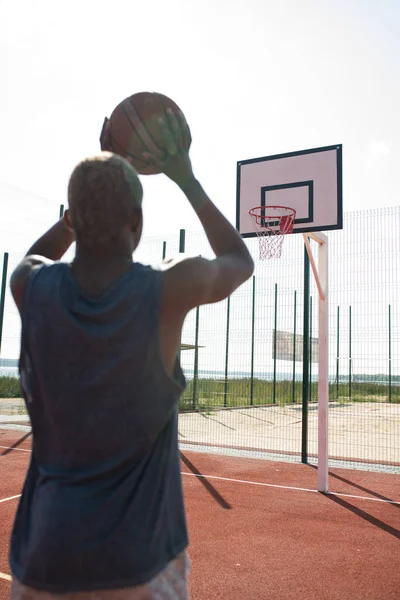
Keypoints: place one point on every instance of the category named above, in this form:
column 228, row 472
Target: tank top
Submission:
column 102, row 505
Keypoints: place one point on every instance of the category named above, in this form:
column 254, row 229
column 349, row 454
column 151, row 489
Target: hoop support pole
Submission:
column 321, row 278
column 313, row 265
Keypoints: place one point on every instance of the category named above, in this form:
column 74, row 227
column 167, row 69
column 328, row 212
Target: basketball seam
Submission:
column 127, row 152
column 133, row 126
column 148, row 132
column 140, row 120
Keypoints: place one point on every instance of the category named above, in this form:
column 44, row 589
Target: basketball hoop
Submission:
column 271, row 224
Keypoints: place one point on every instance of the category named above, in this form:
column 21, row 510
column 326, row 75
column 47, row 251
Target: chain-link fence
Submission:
column 243, row 357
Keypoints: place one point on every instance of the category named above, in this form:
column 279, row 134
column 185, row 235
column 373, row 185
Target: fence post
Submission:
column 196, row 359
column 310, row 352
column 294, row 347
column 306, row 325
column 337, row 352
column 390, row 356
column 182, row 239
column 275, row 336
column 350, row 365
column 61, row 211
column 228, row 310
column 164, row 250
column 252, row 341
column 3, row 294
column 182, row 235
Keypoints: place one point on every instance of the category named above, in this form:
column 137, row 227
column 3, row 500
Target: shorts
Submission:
column 170, row 584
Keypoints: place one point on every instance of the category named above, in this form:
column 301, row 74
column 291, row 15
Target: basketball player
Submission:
column 102, row 513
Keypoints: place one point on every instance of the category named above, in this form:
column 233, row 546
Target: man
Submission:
column 102, row 510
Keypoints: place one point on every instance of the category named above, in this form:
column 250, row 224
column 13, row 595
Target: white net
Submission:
column 271, row 224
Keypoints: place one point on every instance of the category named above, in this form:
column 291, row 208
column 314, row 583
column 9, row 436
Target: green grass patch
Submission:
column 216, row 393
column 9, row 387
column 213, row 393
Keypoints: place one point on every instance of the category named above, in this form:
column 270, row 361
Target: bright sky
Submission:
column 253, row 77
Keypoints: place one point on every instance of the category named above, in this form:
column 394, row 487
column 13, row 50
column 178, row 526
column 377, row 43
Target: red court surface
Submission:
column 259, row 529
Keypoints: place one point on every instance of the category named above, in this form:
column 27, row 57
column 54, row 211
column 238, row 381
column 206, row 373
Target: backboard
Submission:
column 310, row 181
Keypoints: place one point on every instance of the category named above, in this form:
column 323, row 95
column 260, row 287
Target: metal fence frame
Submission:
column 343, row 331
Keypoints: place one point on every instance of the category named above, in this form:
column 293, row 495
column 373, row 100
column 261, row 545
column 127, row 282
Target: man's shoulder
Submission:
column 182, row 259
column 28, row 269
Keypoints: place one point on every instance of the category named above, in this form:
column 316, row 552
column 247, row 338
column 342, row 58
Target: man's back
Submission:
column 102, row 506
column 105, row 467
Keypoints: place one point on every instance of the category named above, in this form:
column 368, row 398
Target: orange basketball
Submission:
column 133, row 128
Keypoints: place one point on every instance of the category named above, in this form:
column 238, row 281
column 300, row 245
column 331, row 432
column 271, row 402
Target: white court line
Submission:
column 18, row 449
column 261, row 484
column 363, row 498
column 10, row 498
column 271, row 485
column 5, row 576
column 289, row 487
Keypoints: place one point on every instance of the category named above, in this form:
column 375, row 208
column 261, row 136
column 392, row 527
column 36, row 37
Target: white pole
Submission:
column 323, row 371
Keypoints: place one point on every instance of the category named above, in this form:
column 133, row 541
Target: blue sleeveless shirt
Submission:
column 102, row 504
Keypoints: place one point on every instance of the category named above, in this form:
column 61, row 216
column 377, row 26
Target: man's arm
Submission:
column 196, row 281
column 48, row 248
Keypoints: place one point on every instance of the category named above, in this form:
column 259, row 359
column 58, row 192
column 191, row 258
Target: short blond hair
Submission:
column 104, row 192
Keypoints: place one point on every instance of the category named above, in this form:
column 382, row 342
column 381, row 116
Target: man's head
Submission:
column 105, row 202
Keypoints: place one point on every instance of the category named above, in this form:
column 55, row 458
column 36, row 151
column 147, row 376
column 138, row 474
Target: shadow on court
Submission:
column 209, row 487
column 364, row 515
column 16, row 444
column 364, row 489
column 359, row 487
